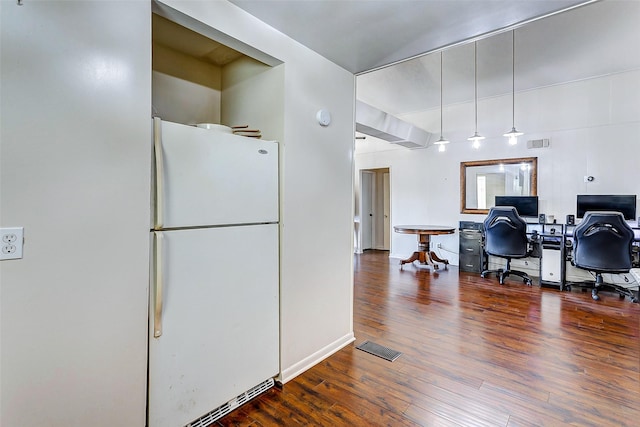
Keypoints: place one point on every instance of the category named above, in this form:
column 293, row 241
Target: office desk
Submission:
column 424, row 233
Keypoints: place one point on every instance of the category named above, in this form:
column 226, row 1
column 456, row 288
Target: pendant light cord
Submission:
column 513, row 78
column 513, row 134
column 475, row 77
column 440, row 94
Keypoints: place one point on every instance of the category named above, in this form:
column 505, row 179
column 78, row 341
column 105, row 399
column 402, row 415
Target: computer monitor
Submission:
column 525, row 205
column 625, row 204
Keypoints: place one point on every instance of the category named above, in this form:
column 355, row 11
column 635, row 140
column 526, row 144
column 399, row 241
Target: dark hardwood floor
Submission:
column 474, row 353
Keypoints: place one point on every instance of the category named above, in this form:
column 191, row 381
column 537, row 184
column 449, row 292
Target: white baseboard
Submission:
column 317, row 357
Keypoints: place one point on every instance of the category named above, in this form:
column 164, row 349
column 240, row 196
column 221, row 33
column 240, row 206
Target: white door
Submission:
column 366, row 209
column 386, row 202
column 218, row 320
column 206, row 177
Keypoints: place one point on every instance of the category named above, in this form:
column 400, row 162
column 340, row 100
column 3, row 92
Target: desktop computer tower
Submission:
column 551, row 265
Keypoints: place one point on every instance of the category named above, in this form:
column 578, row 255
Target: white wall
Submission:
column 76, row 102
column 185, row 89
column 253, row 95
column 74, row 172
column 593, row 126
column 317, row 195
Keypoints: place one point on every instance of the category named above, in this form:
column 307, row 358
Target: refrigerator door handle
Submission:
column 159, row 182
column 157, row 300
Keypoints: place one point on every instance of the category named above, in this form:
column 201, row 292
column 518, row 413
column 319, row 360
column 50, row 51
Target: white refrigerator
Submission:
column 214, row 302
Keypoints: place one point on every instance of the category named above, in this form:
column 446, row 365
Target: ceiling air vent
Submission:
column 373, row 122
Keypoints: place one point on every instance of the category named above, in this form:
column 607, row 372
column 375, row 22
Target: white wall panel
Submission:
column 74, row 172
column 182, row 101
column 624, row 106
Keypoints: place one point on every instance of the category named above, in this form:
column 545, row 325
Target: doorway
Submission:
column 375, row 209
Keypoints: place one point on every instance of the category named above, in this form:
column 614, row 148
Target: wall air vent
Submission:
column 537, row 143
column 379, row 124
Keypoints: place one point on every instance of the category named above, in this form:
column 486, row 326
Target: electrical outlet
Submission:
column 439, row 246
column 11, row 240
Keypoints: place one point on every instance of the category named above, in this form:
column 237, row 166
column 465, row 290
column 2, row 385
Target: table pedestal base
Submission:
column 424, row 255
column 426, row 258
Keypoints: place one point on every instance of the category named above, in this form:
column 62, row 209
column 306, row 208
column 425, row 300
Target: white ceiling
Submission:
column 595, row 40
column 598, row 38
column 363, row 35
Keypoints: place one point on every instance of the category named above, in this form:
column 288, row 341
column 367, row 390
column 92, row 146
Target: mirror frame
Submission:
column 463, row 179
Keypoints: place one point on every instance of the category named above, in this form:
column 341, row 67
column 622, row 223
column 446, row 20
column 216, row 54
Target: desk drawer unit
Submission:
column 471, row 254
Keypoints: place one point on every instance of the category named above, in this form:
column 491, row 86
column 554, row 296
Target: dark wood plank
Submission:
column 474, row 353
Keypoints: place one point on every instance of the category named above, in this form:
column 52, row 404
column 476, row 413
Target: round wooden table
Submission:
column 424, row 233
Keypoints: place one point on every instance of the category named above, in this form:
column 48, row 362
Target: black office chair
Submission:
column 602, row 243
column 505, row 236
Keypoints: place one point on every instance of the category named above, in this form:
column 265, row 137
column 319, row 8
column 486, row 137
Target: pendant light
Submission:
column 441, row 142
column 513, row 134
column 476, row 138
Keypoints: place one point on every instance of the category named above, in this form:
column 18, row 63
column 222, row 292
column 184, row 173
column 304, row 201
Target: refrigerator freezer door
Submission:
column 220, row 320
column 205, row 177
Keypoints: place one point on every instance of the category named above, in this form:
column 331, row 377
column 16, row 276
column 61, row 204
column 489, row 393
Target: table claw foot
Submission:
column 436, row 258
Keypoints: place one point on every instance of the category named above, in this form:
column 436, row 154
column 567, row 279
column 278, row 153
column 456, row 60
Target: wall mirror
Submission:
column 481, row 181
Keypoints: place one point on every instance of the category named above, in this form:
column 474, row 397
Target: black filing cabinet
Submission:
column 472, row 256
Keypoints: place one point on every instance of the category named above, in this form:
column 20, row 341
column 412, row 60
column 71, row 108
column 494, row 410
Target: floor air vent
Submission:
column 223, row 410
column 378, row 350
